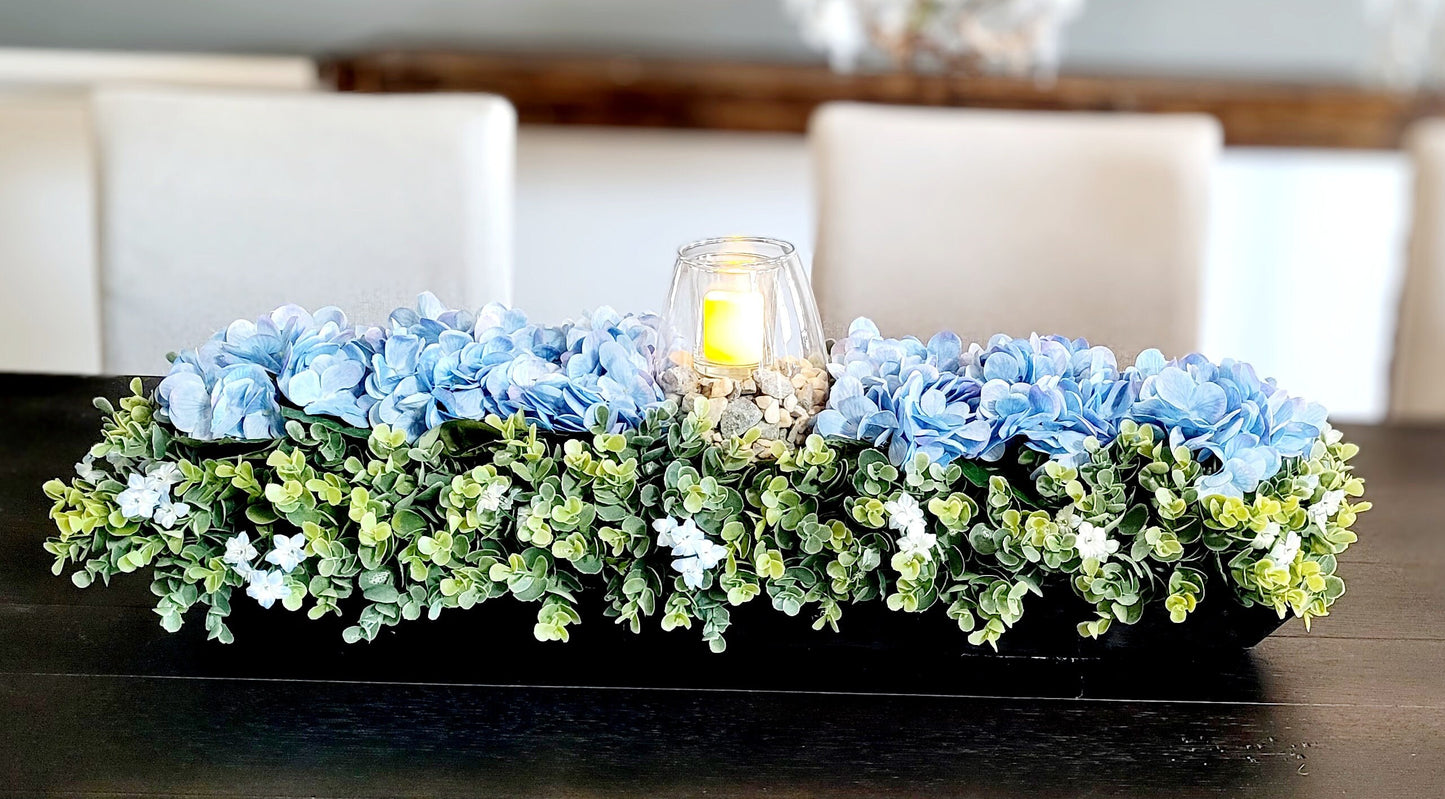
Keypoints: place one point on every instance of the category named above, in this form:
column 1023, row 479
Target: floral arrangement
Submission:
column 1017, row 37
column 450, row 458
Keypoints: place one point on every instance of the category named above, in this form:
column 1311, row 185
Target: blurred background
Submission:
column 1247, row 174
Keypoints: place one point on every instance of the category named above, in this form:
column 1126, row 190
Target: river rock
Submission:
column 774, row 384
column 679, row 381
column 740, row 416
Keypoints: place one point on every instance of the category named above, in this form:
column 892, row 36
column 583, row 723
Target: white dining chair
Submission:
column 980, row 222
column 49, row 296
column 48, row 235
column 222, row 205
column 1417, row 374
column 50, row 69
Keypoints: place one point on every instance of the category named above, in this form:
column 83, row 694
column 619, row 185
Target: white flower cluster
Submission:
column 904, row 514
column 266, row 585
column 1013, row 36
column 492, row 496
column 1328, row 506
column 693, row 553
column 148, row 496
column 1282, row 548
column 1093, row 541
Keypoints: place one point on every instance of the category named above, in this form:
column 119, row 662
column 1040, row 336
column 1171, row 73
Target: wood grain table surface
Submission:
column 97, row 700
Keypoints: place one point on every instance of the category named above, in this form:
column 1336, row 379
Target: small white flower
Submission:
column 694, row 552
column 267, row 586
column 918, row 542
column 139, row 499
column 1264, row 539
column 905, row 514
column 86, row 470
column 709, row 554
column 691, row 569
column 687, row 539
column 239, row 550
column 1093, row 542
column 682, row 538
column 664, row 528
column 287, row 552
column 491, row 498
column 162, row 476
column 1328, row 506
column 168, row 513
column 1285, row 550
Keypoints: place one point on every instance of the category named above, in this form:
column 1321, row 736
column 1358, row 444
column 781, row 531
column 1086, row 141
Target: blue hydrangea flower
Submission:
column 334, row 385
column 1245, row 463
column 433, row 366
column 1037, row 412
column 1051, row 394
column 876, row 361
column 1248, row 424
column 1295, row 424
column 236, row 401
column 937, row 418
column 1023, row 360
column 1187, row 401
column 324, row 368
column 852, row 413
column 403, row 363
column 227, row 387
column 267, row 341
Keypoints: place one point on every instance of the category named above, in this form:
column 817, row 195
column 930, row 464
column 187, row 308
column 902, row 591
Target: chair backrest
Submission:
column 218, row 206
column 1417, row 375
column 82, row 69
column 48, row 236
column 991, row 221
column 50, row 303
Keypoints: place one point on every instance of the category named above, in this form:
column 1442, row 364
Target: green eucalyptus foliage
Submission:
column 474, row 511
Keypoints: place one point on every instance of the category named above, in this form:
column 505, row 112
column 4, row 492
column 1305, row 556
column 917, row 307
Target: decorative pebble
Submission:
column 779, row 401
column 715, row 408
column 774, row 384
column 740, row 416
column 679, row 380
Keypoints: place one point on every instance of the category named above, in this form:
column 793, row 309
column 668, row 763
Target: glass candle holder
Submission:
column 741, row 328
column 740, row 303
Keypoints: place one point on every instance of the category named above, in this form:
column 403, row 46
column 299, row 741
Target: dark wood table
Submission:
column 95, row 699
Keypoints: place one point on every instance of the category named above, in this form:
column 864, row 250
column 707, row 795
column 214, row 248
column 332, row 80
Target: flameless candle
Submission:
column 733, row 327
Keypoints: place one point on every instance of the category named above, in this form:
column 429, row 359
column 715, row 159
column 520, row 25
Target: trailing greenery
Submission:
column 480, row 510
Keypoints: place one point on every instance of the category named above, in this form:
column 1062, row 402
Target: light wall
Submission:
column 601, row 211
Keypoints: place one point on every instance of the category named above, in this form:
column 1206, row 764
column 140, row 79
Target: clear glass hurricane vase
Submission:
column 740, row 304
